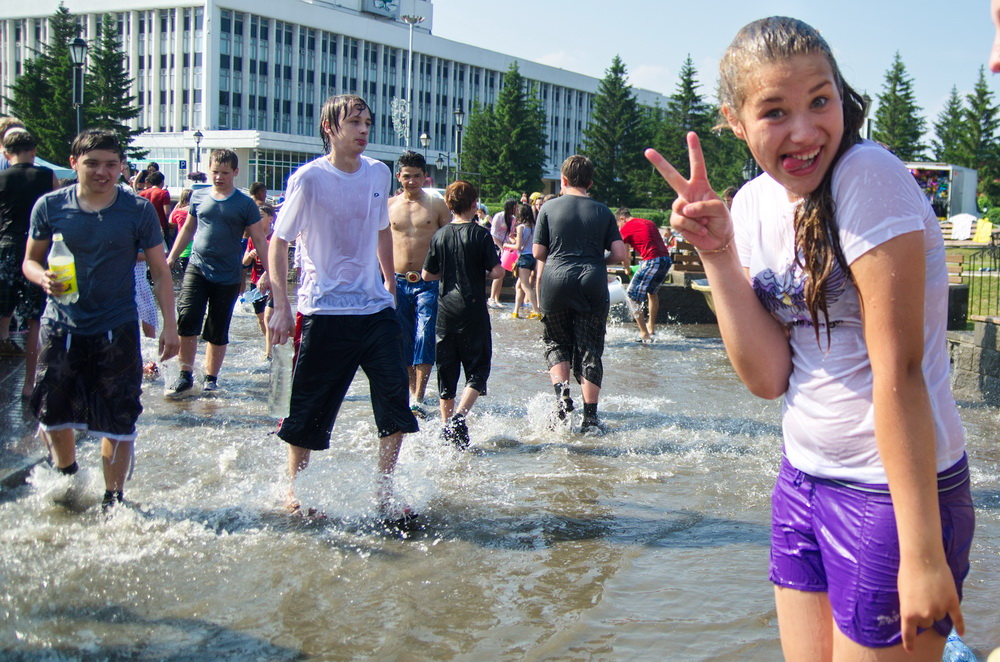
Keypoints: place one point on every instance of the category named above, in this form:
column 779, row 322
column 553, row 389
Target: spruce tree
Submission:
column 42, row 97
column 109, row 105
column 518, row 135
column 686, row 111
column 949, row 129
column 978, row 146
column 480, row 149
column 505, row 143
column 898, row 123
column 614, row 140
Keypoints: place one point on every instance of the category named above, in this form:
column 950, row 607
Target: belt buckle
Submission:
column 412, row 276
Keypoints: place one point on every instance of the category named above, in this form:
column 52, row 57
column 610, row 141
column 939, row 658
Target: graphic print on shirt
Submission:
column 783, row 293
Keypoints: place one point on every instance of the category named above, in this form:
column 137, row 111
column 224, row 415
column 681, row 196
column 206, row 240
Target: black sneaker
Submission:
column 210, row 384
column 592, row 426
column 456, row 432
column 182, row 387
column 111, row 501
column 564, row 405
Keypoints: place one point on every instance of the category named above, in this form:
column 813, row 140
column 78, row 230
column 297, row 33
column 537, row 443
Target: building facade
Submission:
column 252, row 75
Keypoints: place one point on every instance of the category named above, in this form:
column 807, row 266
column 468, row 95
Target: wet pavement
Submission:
column 20, row 449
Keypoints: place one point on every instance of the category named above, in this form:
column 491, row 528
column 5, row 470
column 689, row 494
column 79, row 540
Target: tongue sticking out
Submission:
column 793, row 163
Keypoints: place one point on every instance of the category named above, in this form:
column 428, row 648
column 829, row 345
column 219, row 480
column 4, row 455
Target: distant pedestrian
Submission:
column 501, row 229
column 160, row 199
column 571, row 237
column 21, row 185
column 217, row 219
column 521, row 243
column 644, row 237
column 462, row 257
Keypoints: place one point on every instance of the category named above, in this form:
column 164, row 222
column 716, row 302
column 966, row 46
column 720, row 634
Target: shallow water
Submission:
column 649, row 543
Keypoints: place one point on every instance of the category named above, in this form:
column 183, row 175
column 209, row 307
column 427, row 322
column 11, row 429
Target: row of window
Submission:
column 257, row 66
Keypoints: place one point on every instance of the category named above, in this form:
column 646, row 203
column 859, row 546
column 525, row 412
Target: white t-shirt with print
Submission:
column 827, row 415
column 335, row 217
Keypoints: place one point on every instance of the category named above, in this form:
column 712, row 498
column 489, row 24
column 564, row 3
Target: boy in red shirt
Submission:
column 645, row 239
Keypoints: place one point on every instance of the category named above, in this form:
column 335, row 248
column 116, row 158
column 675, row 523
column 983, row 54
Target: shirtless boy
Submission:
column 414, row 217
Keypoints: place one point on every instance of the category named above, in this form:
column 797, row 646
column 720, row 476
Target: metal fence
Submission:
column 982, row 273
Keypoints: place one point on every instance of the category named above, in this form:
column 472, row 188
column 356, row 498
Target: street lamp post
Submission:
column 77, row 56
column 411, row 21
column 441, row 164
column 425, row 140
column 749, row 169
column 198, row 135
column 459, row 121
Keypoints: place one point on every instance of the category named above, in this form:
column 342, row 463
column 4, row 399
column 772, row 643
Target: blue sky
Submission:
column 942, row 43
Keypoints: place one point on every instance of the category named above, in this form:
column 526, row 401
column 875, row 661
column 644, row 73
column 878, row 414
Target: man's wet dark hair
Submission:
column 411, row 159
column 337, row 108
column 578, row 171
column 91, row 139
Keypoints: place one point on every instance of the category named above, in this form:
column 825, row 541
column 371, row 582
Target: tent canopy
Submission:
column 61, row 172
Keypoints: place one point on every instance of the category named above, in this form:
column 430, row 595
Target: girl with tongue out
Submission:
column 830, row 285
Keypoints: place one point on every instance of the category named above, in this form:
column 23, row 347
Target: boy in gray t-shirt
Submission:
column 217, row 219
column 90, row 371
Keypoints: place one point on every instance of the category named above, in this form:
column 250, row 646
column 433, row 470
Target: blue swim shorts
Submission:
column 416, row 310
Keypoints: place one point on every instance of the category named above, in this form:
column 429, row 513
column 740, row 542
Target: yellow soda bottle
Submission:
column 61, row 261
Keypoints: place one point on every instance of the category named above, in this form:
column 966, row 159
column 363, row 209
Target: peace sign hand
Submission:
column 698, row 213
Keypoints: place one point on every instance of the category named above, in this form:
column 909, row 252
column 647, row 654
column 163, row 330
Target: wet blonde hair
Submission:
column 817, row 241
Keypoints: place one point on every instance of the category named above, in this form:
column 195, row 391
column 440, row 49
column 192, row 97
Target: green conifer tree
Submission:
column 614, row 138
column 42, row 97
column 109, row 104
column 898, row 123
column 517, row 136
column 978, row 147
column 949, row 129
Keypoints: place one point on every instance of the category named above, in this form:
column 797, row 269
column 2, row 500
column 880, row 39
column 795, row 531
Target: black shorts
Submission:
column 472, row 352
column 332, row 349
column 577, row 337
column 199, row 293
column 89, row 383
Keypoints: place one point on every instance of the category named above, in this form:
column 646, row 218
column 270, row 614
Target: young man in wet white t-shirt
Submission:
column 336, row 211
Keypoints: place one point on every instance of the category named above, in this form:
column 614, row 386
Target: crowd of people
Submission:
column 822, row 296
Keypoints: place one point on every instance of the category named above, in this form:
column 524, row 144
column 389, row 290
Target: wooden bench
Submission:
column 954, row 264
column 946, row 232
column 686, row 258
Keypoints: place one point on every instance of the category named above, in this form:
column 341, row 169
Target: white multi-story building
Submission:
column 252, row 75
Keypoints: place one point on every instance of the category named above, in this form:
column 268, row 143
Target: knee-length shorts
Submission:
column 332, row 349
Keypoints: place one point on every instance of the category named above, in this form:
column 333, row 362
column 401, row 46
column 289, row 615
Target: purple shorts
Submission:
column 840, row 538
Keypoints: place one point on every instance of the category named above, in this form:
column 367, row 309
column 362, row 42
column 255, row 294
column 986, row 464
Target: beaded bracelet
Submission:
column 715, row 250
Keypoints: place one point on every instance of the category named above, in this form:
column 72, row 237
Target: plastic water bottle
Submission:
column 249, row 298
column 61, row 262
column 280, row 397
column 955, row 650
